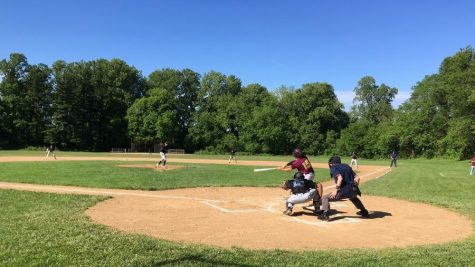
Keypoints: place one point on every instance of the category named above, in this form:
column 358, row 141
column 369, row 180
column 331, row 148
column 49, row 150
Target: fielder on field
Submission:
column 354, row 159
column 232, row 155
column 472, row 169
column 50, row 150
column 163, row 155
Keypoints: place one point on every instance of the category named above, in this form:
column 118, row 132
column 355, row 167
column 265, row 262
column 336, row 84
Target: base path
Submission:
column 251, row 217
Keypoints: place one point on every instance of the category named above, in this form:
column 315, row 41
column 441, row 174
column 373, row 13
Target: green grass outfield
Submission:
column 43, row 229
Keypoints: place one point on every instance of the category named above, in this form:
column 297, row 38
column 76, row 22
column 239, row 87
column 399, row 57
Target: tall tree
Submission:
column 373, row 102
column 181, row 89
column 90, row 103
column 25, row 95
column 215, row 118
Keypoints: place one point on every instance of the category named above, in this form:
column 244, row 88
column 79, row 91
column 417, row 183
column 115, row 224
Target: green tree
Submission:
column 373, row 102
column 91, row 101
column 181, row 89
column 216, row 119
column 25, row 93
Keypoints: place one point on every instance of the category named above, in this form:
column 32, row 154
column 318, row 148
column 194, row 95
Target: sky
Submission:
column 271, row 42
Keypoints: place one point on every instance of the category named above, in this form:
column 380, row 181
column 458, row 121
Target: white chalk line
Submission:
column 325, row 224
column 441, row 174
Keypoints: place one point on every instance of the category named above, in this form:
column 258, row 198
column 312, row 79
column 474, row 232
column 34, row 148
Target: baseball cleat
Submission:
column 288, row 211
column 363, row 213
column 324, row 216
column 318, row 212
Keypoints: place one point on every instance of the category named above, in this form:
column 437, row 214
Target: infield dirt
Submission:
column 251, row 217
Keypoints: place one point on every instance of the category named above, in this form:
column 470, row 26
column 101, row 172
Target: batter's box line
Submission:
column 226, row 210
column 325, row 224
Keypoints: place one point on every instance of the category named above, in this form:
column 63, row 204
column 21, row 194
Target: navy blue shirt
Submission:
column 345, row 171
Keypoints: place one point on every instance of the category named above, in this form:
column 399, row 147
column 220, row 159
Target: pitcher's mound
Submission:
column 152, row 166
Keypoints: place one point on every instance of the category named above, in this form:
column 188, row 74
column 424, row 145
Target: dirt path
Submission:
column 250, row 217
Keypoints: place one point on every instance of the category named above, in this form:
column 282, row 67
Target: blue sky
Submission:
column 273, row 43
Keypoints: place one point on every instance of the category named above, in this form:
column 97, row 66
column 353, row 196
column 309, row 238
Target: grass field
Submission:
column 42, row 229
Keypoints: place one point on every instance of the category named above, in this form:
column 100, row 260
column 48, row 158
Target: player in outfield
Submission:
column 472, row 169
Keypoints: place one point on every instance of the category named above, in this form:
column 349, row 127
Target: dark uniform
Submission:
column 232, row 156
column 393, row 159
column 303, row 190
column 348, row 188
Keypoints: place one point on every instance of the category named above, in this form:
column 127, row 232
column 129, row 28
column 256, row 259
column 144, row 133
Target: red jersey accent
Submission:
column 303, row 165
column 473, row 161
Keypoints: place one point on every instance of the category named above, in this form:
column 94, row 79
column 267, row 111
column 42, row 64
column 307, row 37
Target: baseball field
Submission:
column 103, row 209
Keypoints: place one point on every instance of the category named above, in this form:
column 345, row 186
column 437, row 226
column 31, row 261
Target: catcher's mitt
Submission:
column 285, row 185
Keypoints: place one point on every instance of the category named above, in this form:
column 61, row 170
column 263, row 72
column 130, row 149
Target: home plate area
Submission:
column 302, row 213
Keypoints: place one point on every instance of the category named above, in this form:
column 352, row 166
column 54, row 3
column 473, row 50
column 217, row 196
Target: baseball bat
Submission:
column 264, row 169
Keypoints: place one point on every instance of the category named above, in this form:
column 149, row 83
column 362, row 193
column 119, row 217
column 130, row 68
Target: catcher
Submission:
column 302, row 190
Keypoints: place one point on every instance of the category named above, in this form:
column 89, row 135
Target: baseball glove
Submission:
column 285, row 185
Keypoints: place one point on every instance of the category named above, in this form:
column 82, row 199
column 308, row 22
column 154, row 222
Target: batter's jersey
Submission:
column 303, row 165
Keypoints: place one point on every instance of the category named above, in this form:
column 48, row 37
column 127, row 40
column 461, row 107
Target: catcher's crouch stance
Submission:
column 303, row 190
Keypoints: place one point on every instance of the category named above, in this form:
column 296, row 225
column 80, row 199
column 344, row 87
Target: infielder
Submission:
column 346, row 181
column 50, row 150
column 163, row 156
column 232, row 156
column 354, row 160
column 303, row 190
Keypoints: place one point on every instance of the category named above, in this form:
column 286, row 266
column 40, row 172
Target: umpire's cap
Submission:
column 334, row 160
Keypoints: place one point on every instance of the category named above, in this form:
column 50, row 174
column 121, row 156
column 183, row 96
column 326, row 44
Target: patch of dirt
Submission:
column 152, row 166
column 251, row 217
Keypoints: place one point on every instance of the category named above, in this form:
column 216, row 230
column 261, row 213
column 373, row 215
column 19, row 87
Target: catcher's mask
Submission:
column 298, row 153
column 299, row 176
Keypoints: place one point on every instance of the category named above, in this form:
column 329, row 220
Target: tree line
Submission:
column 99, row 104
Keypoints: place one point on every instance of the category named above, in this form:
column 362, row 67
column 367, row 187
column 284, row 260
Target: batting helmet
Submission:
column 298, row 153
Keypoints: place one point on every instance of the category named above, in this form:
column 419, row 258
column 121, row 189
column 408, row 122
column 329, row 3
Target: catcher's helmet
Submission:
column 298, row 153
column 299, row 176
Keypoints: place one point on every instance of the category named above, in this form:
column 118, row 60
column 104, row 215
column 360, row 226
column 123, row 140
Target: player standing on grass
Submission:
column 232, row 155
column 354, row 159
column 472, row 169
column 393, row 159
column 301, row 163
column 50, row 150
column 163, row 155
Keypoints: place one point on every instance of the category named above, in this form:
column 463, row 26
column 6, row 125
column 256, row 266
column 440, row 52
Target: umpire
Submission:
column 346, row 181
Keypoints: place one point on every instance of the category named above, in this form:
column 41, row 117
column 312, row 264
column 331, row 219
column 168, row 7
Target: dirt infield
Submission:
column 252, row 218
